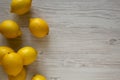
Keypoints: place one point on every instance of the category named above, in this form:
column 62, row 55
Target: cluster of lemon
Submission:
column 11, row 61
column 37, row 26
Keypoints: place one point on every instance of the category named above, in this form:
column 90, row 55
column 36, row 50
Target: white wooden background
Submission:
column 84, row 39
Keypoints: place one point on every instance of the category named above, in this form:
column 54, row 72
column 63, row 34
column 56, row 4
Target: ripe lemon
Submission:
column 21, row 76
column 12, row 63
column 20, row 6
column 38, row 77
column 38, row 27
column 10, row 29
column 28, row 54
column 4, row 50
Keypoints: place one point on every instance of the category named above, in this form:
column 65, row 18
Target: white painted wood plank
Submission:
column 84, row 39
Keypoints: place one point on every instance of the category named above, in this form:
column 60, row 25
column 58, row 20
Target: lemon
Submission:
column 38, row 27
column 21, row 76
column 28, row 54
column 4, row 50
column 12, row 63
column 20, row 6
column 10, row 29
column 38, row 77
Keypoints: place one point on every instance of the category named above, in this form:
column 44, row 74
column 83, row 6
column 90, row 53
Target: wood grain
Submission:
column 84, row 39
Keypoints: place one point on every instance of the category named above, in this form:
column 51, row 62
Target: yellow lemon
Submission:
column 28, row 54
column 21, row 76
column 38, row 27
column 38, row 77
column 4, row 50
column 20, row 6
column 10, row 29
column 12, row 63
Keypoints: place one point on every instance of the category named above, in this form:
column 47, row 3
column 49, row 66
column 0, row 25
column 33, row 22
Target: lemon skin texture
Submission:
column 10, row 29
column 21, row 76
column 20, row 7
column 4, row 50
column 29, row 54
column 38, row 27
column 38, row 77
column 12, row 63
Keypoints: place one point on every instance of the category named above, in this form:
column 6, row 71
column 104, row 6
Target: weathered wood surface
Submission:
column 84, row 39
